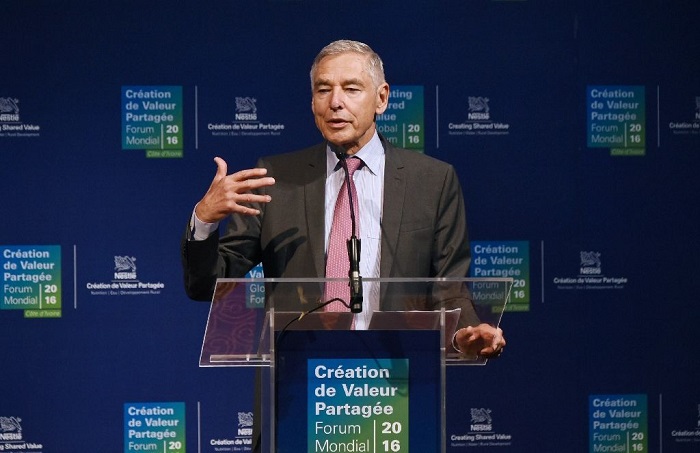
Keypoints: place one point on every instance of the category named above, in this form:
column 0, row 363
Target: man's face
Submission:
column 345, row 100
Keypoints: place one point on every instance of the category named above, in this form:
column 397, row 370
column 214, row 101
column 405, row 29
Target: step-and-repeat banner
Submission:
column 575, row 130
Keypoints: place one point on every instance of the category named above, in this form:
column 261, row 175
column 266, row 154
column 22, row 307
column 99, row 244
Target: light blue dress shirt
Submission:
column 369, row 182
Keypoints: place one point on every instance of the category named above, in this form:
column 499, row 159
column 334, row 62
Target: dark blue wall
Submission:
column 66, row 381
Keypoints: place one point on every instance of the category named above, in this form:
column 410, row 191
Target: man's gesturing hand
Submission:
column 230, row 194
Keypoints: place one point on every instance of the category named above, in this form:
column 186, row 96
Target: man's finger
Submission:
column 497, row 338
column 221, row 168
column 249, row 174
column 251, row 179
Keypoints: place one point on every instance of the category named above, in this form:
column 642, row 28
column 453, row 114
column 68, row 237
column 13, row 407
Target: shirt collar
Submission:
column 371, row 154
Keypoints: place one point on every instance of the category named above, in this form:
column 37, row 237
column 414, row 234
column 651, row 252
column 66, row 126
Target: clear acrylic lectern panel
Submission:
column 244, row 312
column 278, row 325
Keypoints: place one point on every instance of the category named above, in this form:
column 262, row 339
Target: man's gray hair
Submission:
column 375, row 67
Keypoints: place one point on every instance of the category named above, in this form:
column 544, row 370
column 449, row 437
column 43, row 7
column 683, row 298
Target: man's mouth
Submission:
column 337, row 122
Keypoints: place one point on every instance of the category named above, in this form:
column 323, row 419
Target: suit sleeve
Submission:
column 230, row 255
column 452, row 255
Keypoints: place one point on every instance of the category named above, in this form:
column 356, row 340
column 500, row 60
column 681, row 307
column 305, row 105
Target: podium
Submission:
column 326, row 384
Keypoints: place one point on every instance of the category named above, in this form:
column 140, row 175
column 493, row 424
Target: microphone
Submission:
column 354, row 246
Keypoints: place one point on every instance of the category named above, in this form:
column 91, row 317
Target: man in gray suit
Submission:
column 411, row 208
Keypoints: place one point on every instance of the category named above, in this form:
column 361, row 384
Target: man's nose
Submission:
column 337, row 99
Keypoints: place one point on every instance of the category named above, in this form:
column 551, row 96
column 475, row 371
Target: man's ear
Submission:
column 382, row 98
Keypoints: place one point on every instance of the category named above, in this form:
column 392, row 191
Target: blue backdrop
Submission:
column 574, row 127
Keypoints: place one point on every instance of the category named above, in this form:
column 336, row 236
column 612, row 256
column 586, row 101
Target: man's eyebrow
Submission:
column 353, row 81
column 320, row 82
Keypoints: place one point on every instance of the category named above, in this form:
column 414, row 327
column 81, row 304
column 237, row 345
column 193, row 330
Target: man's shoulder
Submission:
column 297, row 167
column 416, row 159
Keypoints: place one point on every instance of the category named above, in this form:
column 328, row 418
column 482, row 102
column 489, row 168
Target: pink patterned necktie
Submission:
column 337, row 261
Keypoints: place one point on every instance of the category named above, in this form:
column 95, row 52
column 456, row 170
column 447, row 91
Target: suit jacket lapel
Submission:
column 314, row 205
column 394, row 199
column 392, row 211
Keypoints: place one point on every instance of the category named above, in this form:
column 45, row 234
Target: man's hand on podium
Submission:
column 483, row 340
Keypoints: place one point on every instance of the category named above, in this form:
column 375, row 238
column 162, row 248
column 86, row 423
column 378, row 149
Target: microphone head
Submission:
column 339, row 152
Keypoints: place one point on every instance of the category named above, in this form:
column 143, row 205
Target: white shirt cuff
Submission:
column 201, row 230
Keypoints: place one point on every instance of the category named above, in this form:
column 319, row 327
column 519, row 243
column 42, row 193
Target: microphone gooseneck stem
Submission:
column 343, row 162
column 354, row 274
column 354, row 247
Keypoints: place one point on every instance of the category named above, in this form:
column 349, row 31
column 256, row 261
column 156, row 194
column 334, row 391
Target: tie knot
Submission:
column 353, row 164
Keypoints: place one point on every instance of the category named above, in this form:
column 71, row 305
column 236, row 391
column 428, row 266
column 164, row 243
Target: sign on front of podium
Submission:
column 358, row 405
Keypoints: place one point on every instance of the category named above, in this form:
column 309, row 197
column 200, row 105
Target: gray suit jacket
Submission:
column 424, row 232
